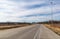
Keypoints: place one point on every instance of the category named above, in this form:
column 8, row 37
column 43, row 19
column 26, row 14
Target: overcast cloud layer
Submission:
column 29, row 10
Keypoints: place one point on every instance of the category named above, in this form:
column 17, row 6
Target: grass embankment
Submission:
column 54, row 27
column 12, row 26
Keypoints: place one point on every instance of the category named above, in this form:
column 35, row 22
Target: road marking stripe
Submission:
column 37, row 33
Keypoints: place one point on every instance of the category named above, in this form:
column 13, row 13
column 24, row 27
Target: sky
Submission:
column 29, row 10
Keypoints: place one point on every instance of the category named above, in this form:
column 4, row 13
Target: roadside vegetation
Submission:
column 54, row 27
column 9, row 25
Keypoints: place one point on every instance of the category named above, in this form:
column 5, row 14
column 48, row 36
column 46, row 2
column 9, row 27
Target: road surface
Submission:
column 30, row 32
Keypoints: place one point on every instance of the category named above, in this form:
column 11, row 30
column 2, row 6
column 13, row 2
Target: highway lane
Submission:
column 20, row 33
column 30, row 32
column 46, row 33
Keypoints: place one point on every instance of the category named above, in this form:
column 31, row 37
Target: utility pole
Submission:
column 51, row 6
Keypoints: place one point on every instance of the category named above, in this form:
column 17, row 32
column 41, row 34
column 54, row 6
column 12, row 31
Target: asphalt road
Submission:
column 30, row 32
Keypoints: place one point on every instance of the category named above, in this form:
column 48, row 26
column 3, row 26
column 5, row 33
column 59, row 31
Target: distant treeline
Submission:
column 49, row 22
column 13, row 23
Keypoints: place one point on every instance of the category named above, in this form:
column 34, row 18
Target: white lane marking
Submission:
column 37, row 33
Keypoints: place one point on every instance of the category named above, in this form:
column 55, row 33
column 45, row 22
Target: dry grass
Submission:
column 12, row 26
column 54, row 27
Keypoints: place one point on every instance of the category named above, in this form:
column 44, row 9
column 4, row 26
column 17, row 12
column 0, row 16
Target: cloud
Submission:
column 28, row 10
